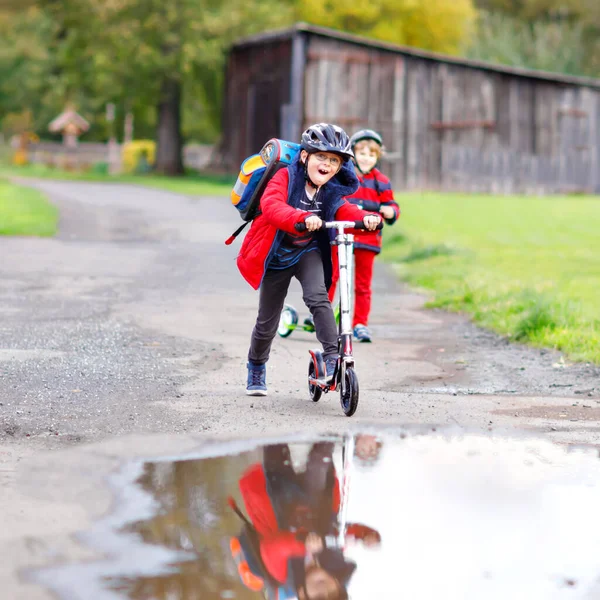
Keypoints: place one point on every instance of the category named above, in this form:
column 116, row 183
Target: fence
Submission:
column 89, row 154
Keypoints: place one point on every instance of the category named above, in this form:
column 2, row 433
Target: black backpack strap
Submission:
column 239, row 230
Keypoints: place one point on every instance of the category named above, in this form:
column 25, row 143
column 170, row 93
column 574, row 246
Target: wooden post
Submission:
column 114, row 163
column 128, row 128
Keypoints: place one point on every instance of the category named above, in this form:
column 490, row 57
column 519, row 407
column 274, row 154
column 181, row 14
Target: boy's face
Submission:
column 322, row 166
column 321, row 585
column 366, row 156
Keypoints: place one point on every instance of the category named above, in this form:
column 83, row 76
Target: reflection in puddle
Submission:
column 394, row 516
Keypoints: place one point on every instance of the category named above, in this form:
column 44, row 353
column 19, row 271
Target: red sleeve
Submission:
column 360, row 532
column 275, row 552
column 274, row 206
column 386, row 197
column 253, row 487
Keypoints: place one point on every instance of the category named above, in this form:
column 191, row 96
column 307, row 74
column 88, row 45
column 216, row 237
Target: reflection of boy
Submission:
column 367, row 449
column 374, row 194
column 293, row 513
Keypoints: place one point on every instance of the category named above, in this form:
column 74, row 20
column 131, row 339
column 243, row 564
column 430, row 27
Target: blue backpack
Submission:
column 255, row 173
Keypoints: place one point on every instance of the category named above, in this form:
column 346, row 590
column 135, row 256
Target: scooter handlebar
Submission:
column 301, row 227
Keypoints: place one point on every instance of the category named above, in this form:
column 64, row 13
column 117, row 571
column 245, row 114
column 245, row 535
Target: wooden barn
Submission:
column 447, row 123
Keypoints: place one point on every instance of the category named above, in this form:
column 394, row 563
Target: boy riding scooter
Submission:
column 309, row 191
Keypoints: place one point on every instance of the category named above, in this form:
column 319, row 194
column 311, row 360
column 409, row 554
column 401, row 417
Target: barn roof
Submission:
column 289, row 33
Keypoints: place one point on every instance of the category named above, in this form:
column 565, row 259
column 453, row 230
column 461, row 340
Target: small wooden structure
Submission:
column 447, row 123
column 71, row 124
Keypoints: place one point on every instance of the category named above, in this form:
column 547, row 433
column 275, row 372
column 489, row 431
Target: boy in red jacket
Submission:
column 311, row 190
column 374, row 194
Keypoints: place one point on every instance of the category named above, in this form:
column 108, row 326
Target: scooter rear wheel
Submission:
column 287, row 321
column 349, row 395
column 314, row 391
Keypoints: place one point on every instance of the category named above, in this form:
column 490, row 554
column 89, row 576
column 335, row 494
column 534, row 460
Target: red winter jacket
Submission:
column 375, row 191
column 276, row 546
column 278, row 215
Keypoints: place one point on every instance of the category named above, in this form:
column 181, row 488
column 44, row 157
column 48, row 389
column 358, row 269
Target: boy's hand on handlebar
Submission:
column 313, row 223
column 313, row 543
column 387, row 212
column 371, row 222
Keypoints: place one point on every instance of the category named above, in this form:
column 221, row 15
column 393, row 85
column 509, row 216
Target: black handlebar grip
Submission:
column 301, row 227
column 361, row 225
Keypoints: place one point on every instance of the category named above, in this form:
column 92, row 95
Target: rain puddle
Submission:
column 422, row 515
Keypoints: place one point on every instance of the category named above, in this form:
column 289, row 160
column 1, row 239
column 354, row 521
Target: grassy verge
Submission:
column 24, row 211
column 528, row 268
column 189, row 185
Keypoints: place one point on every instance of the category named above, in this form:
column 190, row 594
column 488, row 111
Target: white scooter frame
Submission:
column 344, row 376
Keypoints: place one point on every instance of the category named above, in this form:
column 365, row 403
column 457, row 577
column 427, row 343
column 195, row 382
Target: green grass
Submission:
column 24, row 211
column 190, row 185
column 528, row 268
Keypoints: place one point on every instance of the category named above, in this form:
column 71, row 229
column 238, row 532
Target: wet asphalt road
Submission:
column 135, row 320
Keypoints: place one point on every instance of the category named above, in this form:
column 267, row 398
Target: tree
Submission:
column 139, row 54
column 436, row 25
column 156, row 52
column 553, row 35
column 46, row 61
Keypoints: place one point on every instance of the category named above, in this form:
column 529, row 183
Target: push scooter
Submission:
column 288, row 321
column 344, row 376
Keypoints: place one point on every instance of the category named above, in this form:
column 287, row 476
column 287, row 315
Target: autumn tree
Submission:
column 436, row 25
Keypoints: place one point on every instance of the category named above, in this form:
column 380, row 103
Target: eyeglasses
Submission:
column 334, row 161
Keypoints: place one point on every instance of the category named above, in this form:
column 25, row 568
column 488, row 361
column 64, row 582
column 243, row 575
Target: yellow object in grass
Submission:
column 138, row 153
column 20, row 158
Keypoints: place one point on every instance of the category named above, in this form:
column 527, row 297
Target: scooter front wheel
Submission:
column 349, row 392
column 287, row 321
column 314, row 391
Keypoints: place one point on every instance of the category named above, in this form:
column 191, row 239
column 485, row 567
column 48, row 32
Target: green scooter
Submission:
column 288, row 321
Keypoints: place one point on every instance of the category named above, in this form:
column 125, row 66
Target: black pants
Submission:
column 273, row 290
column 305, row 499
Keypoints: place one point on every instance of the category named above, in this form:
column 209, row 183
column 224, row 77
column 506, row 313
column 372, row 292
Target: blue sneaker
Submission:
column 330, row 362
column 362, row 333
column 257, row 380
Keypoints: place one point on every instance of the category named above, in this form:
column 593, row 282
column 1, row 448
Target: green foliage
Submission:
column 528, row 268
column 503, row 39
column 24, row 211
column 554, row 35
column 184, row 40
column 431, row 24
column 99, row 168
column 90, row 53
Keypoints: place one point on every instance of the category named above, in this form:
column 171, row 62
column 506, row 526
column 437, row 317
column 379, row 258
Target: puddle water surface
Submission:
column 423, row 515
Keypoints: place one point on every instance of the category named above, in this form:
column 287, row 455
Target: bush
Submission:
column 100, row 168
column 138, row 156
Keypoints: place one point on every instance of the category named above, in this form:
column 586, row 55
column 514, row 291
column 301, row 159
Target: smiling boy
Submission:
column 374, row 194
column 310, row 191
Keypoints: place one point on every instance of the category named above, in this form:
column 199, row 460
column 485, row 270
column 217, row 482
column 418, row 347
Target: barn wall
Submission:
column 257, row 88
column 457, row 127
